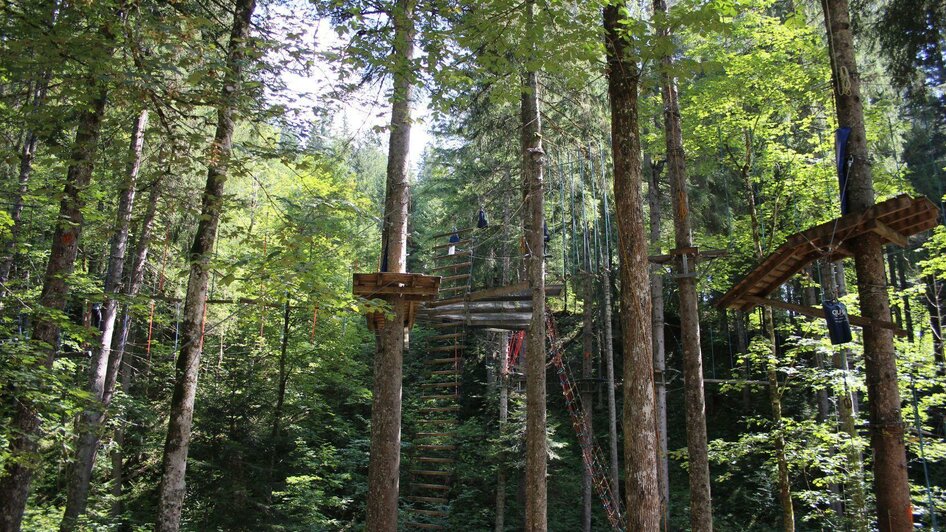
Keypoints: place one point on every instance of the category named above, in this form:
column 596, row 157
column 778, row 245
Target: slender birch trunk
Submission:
column 659, row 343
column 90, row 421
column 177, row 443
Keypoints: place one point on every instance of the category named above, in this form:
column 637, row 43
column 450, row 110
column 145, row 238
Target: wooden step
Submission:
column 457, row 243
column 457, row 232
column 439, row 397
column 433, row 361
column 424, row 526
column 449, row 278
column 445, row 372
column 430, row 473
column 446, row 325
column 434, row 447
column 435, row 460
column 431, row 513
column 446, row 336
column 431, row 409
column 453, row 267
column 435, row 434
column 440, row 385
column 453, row 289
column 438, row 487
column 435, row 421
column 447, row 349
column 455, row 255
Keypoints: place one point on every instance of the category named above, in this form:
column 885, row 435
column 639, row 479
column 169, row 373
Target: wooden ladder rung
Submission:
column 457, row 243
column 429, row 473
column 438, row 397
column 434, row 434
column 431, row 513
column 429, row 409
column 435, row 447
column 457, row 254
column 445, row 325
column 445, row 372
column 450, row 278
column 446, row 336
column 452, row 289
column 435, row 421
column 440, row 385
column 446, row 349
column 454, row 267
column 425, row 526
column 435, row 460
column 454, row 360
column 431, row 500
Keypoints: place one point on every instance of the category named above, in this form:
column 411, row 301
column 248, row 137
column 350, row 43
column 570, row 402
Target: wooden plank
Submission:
column 819, row 313
column 455, row 255
column 452, row 266
column 460, row 243
column 885, row 232
column 458, row 231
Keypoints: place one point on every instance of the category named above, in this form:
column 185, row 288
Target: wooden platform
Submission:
column 387, row 285
column 411, row 287
column 895, row 220
column 503, row 308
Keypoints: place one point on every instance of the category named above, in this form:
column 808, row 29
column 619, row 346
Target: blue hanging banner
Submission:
column 843, row 160
column 482, row 222
column 839, row 328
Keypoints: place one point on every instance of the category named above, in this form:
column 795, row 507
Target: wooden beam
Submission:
column 448, row 233
column 819, row 313
column 887, row 233
column 735, row 381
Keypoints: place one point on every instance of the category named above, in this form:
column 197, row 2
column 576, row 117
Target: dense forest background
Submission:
column 108, row 110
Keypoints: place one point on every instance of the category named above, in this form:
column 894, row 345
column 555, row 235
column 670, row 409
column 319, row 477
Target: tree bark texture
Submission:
column 533, row 160
column 385, row 459
column 891, row 485
column 503, row 382
column 659, row 341
column 177, row 443
column 90, row 421
column 133, row 286
column 15, row 485
column 701, row 504
column 587, row 397
column 640, row 434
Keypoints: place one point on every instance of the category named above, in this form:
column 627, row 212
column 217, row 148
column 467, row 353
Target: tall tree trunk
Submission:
column 135, row 281
column 90, row 421
column 659, row 343
column 640, row 431
column 15, row 485
column 771, row 364
column 177, row 443
column 608, row 347
column 36, row 100
column 533, row 223
column 701, row 504
column 891, row 486
column 385, row 459
column 587, row 399
column 503, row 382
column 856, row 510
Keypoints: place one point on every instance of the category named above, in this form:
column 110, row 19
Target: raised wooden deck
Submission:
column 894, row 220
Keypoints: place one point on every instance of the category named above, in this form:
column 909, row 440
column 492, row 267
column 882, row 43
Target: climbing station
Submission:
column 894, row 221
